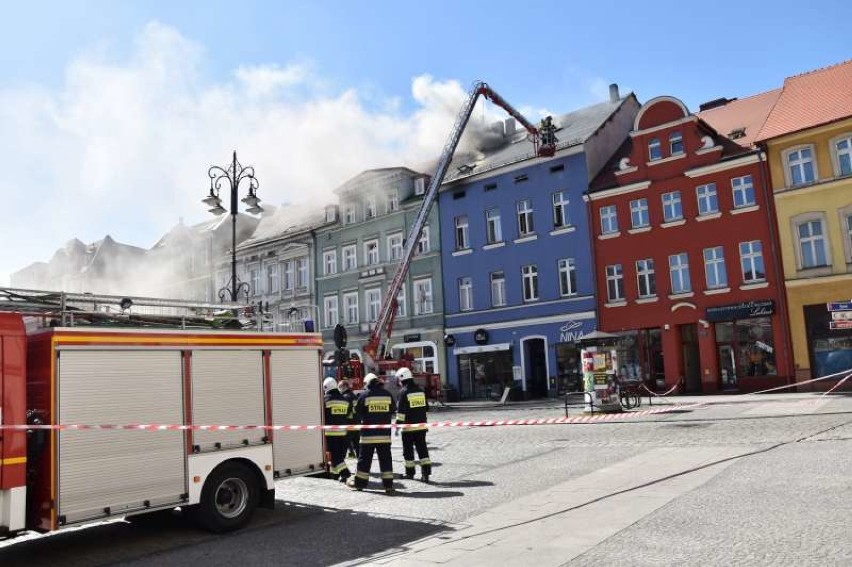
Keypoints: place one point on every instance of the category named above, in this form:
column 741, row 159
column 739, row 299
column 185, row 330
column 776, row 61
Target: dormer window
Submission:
column 675, row 143
column 655, row 150
column 419, row 186
column 393, row 201
column 350, row 214
column 370, row 208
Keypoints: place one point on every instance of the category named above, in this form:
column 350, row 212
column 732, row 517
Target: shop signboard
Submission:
column 744, row 310
column 840, row 325
column 599, row 367
column 841, row 315
column 840, row 305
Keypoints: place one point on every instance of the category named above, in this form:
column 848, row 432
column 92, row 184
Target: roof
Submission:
column 809, row 100
column 373, row 177
column 747, row 114
column 573, row 129
column 287, row 219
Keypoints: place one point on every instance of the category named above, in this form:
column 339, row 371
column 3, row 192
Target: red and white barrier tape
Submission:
column 836, row 375
column 481, row 423
column 664, row 394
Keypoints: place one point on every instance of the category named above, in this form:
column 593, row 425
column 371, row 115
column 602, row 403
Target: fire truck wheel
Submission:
column 228, row 499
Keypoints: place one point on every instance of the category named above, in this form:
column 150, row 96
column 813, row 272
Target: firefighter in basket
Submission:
column 412, row 410
column 375, row 406
column 353, row 438
column 337, row 412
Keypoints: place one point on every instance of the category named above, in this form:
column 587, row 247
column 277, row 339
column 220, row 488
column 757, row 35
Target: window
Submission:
column 350, row 214
column 373, row 299
column 645, row 278
column 812, row 247
column 560, row 210
column 423, row 296
column 419, row 186
column 254, row 278
column 302, row 272
column 465, row 294
column 751, row 259
column 330, row 214
column 329, row 261
column 330, row 318
column 462, row 239
column 800, row 166
column 655, row 150
column 494, row 231
column 401, row 307
column 679, row 272
column 272, row 278
column 639, row 213
column 743, row 191
column 609, row 219
column 525, row 218
column 350, row 305
column 529, row 276
column 672, row 209
column 714, row 268
column 371, row 252
column 289, row 275
column 489, row 187
column 843, row 151
column 423, row 243
column 567, row 277
column 498, row 289
column 370, row 208
column 392, row 203
column 350, row 260
column 395, row 247
column 675, row 143
column 708, row 201
column 614, row 283
column 848, row 229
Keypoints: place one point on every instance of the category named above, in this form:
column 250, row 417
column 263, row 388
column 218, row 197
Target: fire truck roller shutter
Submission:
column 296, row 399
column 119, row 470
column 227, row 389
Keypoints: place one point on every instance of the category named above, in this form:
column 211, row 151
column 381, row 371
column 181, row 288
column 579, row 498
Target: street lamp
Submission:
column 234, row 175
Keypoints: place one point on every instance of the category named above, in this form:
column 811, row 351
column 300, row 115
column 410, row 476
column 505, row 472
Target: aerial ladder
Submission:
column 544, row 143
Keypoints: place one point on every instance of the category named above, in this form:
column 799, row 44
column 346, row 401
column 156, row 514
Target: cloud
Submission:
column 123, row 146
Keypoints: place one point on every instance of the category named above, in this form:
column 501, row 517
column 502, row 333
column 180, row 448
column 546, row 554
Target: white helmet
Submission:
column 404, row 374
column 368, row 379
column 329, row 384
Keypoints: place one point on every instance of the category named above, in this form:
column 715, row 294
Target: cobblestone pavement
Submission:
column 787, row 505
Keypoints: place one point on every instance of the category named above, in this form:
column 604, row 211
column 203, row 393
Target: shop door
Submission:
column 727, row 367
column 535, row 363
column 691, row 358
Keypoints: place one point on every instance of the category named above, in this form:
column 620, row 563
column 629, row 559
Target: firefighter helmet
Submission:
column 329, row 384
column 404, row 374
column 369, row 378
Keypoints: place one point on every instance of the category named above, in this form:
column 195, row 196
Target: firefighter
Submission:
column 412, row 409
column 337, row 412
column 375, row 406
column 352, row 437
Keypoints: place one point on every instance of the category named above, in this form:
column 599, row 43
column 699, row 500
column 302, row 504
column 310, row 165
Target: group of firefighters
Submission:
column 376, row 406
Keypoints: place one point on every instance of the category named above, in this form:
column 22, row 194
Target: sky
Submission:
column 112, row 111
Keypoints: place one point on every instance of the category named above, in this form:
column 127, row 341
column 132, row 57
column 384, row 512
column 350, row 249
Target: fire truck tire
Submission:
column 229, row 498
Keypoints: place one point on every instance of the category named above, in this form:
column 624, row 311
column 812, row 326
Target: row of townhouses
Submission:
column 716, row 245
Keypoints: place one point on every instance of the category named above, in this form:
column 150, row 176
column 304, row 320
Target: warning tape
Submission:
column 664, row 394
column 479, row 423
column 847, row 373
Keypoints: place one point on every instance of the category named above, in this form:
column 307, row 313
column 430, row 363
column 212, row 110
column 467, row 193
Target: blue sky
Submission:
column 113, row 110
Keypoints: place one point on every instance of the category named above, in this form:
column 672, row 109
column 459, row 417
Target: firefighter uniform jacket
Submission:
column 375, row 406
column 412, row 406
column 337, row 412
column 350, row 397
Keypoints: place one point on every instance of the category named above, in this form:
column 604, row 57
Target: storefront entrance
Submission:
column 535, row 366
column 485, row 374
column 829, row 339
column 691, row 358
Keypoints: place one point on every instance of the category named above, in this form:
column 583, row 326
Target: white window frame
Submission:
column 349, row 254
column 303, row 279
column 349, row 214
column 289, row 273
column 401, row 305
column 350, row 306
column 420, row 186
column 493, row 227
column 609, row 219
column 392, row 203
column 614, row 283
column 750, row 256
column 329, row 262
column 526, row 222
column 793, row 160
column 837, row 154
column 254, row 280
column 372, row 303
column 845, row 215
column 655, row 149
column 462, row 232
column 529, row 282
column 371, row 252
column 370, row 208
column 672, row 206
column 330, row 311
column 811, row 240
column 743, row 191
column 561, row 212
column 708, row 199
column 498, row 288
column 679, row 273
column 676, row 137
column 272, row 284
column 645, row 272
column 714, row 262
column 395, row 247
column 465, row 293
column 423, row 245
column 567, row 269
column 639, row 207
column 423, row 301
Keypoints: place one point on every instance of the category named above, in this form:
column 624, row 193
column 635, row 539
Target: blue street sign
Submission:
column 840, row 305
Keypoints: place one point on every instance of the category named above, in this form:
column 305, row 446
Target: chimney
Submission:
column 510, row 126
column 715, row 103
column 613, row 93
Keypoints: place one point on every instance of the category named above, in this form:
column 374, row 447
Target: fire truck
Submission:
column 98, row 360
column 376, row 355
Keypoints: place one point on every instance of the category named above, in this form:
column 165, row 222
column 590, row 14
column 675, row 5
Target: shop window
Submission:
column 640, row 357
column 485, row 374
column 746, row 348
column 422, row 353
column 830, row 348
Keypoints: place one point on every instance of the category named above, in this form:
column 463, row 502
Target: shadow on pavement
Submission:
column 462, row 484
column 291, row 534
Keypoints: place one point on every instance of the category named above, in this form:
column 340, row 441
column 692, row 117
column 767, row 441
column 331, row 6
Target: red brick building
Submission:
column 686, row 253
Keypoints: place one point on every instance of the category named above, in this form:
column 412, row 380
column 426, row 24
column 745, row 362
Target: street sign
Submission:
column 840, row 305
column 838, row 325
column 841, row 315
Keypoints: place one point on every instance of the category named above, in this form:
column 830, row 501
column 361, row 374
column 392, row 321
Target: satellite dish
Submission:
column 340, row 336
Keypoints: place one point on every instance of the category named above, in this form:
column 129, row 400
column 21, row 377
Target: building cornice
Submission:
column 722, row 166
column 641, row 185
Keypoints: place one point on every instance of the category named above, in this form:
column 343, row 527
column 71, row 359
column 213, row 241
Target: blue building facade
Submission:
column 516, row 257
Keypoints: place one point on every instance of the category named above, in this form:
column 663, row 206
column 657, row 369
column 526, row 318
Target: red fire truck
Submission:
column 103, row 360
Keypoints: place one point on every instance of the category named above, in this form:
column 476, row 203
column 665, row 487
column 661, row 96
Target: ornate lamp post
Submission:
column 234, row 174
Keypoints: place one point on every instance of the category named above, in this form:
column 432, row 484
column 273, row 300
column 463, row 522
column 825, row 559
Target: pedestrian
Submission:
column 353, row 437
column 375, row 406
column 337, row 411
column 412, row 410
